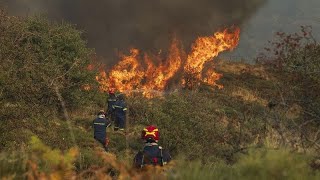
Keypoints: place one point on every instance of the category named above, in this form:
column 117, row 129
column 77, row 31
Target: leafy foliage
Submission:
column 40, row 59
column 295, row 59
column 198, row 124
column 257, row 164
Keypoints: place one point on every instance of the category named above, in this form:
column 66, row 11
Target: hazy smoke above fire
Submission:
column 116, row 25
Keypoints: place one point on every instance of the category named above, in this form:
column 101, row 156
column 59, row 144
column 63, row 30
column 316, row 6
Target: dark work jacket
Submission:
column 111, row 101
column 99, row 126
column 120, row 109
column 152, row 154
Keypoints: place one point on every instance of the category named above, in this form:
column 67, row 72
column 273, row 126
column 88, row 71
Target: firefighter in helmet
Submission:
column 99, row 126
column 120, row 109
column 152, row 153
column 110, row 102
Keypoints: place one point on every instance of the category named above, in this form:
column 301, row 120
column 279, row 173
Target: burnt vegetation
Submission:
column 264, row 123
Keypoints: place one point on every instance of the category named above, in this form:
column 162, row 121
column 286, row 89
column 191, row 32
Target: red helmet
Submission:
column 150, row 133
column 111, row 91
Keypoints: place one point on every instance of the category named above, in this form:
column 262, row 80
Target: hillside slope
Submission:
column 210, row 125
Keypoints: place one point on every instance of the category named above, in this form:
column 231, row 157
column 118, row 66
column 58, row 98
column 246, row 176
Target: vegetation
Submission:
column 264, row 123
column 43, row 66
column 295, row 62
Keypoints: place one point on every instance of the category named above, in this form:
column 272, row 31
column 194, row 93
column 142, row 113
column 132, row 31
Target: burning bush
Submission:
column 148, row 73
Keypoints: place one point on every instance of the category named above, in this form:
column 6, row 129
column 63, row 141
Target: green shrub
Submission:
column 198, row 124
column 87, row 159
column 257, row 164
column 294, row 61
column 41, row 60
column 274, row 164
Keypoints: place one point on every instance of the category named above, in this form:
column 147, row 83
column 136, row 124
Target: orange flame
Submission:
column 138, row 72
column 206, row 48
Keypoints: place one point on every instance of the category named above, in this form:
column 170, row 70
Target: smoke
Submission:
column 117, row 25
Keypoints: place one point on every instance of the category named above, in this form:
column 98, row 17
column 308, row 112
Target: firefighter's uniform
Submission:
column 120, row 109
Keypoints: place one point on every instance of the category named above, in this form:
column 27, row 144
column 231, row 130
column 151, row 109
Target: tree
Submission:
column 42, row 64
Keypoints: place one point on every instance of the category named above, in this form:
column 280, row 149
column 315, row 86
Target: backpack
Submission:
column 150, row 158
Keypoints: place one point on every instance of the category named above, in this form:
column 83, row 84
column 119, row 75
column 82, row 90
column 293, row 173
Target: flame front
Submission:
column 206, row 48
column 138, row 72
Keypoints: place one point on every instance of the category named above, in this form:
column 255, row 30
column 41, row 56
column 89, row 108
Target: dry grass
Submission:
column 248, row 95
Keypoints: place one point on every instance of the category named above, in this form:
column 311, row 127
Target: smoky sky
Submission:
column 117, row 25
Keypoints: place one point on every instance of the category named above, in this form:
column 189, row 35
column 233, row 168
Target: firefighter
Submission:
column 120, row 109
column 110, row 102
column 152, row 153
column 99, row 126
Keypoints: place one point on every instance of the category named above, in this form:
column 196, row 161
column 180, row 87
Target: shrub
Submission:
column 257, row 164
column 294, row 58
column 42, row 64
column 198, row 124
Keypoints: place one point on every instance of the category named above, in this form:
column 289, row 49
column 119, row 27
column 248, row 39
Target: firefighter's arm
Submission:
column 137, row 162
column 166, row 156
column 125, row 107
column 108, row 122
